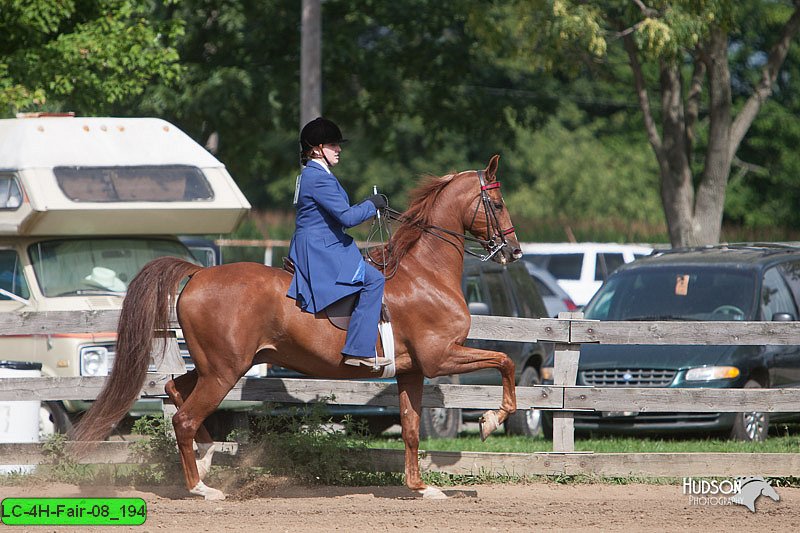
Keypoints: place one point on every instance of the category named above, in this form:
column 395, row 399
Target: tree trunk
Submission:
column 695, row 217
column 677, row 191
column 710, row 201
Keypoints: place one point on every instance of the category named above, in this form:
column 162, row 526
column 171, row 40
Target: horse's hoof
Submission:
column 432, row 493
column 201, row 489
column 214, row 495
column 488, row 423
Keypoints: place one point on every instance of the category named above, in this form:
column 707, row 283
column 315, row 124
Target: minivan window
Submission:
column 775, row 295
column 791, row 273
column 675, row 293
column 11, row 277
column 605, row 264
column 529, row 303
column 68, row 267
column 498, row 294
column 172, row 183
column 472, row 290
column 10, row 193
column 561, row 266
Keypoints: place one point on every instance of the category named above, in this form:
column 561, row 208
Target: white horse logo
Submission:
column 751, row 489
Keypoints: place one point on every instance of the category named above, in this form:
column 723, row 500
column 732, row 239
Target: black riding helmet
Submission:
column 319, row 131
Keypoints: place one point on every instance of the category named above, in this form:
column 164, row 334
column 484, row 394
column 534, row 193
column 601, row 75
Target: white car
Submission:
column 581, row 268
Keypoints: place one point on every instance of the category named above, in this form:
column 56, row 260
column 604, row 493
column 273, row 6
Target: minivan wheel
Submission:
column 527, row 422
column 440, row 423
column 752, row 426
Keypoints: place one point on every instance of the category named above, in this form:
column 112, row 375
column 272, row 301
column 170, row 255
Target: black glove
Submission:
column 379, row 201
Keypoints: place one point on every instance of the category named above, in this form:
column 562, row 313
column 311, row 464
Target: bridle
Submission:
column 497, row 235
column 496, row 240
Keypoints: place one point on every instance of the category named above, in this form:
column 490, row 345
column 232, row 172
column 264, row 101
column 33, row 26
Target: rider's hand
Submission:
column 379, row 201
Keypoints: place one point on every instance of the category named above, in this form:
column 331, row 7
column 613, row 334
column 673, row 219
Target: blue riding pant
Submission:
column 362, row 333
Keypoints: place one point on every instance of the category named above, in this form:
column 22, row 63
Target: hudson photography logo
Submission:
column 740, row 491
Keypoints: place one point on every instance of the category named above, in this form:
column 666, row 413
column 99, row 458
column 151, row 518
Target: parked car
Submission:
column 728, row 282
column 556, row 299
column 581, row 268
column 489, row 289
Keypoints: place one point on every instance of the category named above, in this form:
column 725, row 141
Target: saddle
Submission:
column 339, row 312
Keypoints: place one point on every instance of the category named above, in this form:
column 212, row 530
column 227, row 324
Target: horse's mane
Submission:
column 416, row 218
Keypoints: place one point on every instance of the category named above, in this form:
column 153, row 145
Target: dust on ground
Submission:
column 276, row 504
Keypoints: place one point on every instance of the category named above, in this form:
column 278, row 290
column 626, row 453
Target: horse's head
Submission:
column 489, row 220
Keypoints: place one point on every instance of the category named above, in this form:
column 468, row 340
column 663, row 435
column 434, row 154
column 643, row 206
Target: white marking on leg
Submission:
column 432, row 493
column 201, row 489
column 205, row 452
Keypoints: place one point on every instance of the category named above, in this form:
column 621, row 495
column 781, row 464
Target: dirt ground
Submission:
column 277, row 505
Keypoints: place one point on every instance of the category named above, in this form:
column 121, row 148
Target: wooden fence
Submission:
column 564, row 397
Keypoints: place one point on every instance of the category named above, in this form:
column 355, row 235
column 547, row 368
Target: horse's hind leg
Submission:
column 189, row 418
column 410, row 389
column 178, row 389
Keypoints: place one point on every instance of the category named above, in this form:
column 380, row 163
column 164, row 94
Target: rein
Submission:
column 497, row 236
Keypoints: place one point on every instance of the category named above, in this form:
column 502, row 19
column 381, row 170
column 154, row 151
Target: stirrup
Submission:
column 379, row 362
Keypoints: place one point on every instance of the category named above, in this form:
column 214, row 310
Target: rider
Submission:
column 328, row 265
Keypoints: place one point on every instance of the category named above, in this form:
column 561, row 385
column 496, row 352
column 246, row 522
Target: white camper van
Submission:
column 84, row 204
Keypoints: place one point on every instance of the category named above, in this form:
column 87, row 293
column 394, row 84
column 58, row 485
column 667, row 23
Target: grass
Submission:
column 787, row 442
column 310, row 450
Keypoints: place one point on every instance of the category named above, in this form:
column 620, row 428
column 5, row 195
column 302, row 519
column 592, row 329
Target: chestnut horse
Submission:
column 237, row 315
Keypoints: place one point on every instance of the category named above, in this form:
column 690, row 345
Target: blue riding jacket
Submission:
column 328, row 264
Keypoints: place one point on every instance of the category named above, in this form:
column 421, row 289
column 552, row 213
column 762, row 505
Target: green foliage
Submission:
column 573, row 38
column 420, row 87
column 61, row 464
column 302, row 444
column 764, row 187
column 81, row 55
column 575, row 172
column 158, row 451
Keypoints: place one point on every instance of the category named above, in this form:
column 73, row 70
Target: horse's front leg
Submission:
column 459, row 359
column 410, row 390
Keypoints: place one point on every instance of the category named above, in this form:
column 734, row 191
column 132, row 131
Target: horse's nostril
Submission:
column 517, row 253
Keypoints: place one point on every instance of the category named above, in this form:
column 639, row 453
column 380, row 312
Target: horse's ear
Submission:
column 491, row 169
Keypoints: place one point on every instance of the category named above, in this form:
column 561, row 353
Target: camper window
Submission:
column 175, row 183
column 10, row 194
column 11, row 278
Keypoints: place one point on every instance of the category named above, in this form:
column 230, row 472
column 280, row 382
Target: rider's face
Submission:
column 331, row 153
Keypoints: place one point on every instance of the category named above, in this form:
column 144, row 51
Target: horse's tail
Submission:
column 146, row 308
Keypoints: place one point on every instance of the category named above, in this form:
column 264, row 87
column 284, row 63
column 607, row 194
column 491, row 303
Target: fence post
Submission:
column 565, row 373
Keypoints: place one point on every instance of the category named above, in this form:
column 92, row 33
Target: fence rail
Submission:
column 564, row 398
column 342, row 392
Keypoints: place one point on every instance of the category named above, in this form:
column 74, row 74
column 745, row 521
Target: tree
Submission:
column 80, row 55
column 401, row 78
column 680, row 50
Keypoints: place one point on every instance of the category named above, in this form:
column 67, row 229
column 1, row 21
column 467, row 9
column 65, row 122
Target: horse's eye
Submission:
column 498, row 206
